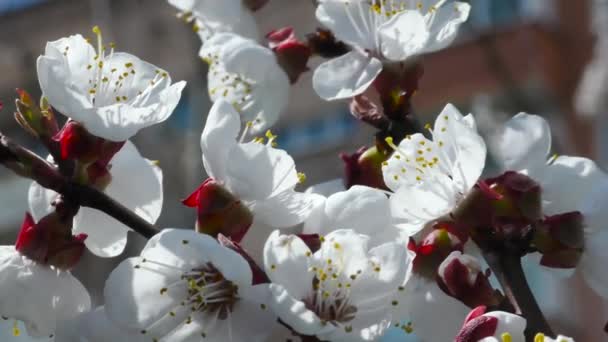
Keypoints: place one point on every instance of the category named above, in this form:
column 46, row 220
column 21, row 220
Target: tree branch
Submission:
column 27, row 164
column 507, row 269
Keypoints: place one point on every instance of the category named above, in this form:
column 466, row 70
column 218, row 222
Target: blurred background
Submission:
column 548, row 57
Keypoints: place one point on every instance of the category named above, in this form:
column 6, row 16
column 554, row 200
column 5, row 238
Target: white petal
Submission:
column 567, row 182
column 38, row 295
column 252, row 321
column 351, row 252
column 346, row 76
column 414, row 206
column 94, row 326
column 218, row 138
column 403, row 36
column 295, row 314
column 463, row 150
column 258, row 172
column 286, row 209
column 286, row 263
column 421, row 301
column 327, row 188
column 39, row 200
column 523, row 143
column 362, row 209
column 136, row 184
column 350, row 21
column 593, row 262
column 446, row 22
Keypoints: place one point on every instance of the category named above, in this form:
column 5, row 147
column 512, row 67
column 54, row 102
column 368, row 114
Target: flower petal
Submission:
column 94, row 326
column 593, row 262
column 39, row 200
column 349, row 21
column 346, row 76
column 38, row 295
column 286, row 263
column 286, row 209
column 218, row 138
column 445, row 24
column 403, row 36
column 258, row 172
column 136, row 184
column 523, row 143
column 567, row 182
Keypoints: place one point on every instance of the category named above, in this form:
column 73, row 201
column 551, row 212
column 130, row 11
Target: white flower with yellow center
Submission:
column 185, row 286
column 113, row 94
column 38, row 295
column 381, row 31
column 342, row 292
column 247, row 75
column 430, row 178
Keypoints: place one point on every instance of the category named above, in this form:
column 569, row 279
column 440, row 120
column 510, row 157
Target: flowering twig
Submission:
column 508, row 270
column 27, row 164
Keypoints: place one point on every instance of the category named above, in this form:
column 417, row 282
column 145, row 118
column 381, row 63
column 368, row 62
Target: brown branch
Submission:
column 27, row 164
column 508, row 270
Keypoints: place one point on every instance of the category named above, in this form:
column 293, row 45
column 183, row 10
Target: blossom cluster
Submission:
column 396, row 243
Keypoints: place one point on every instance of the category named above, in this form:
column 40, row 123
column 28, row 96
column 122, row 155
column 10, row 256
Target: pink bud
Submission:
column 461, row 277
column 219, row 211
column 292, row 54
column 364, row 167
column 32, row 241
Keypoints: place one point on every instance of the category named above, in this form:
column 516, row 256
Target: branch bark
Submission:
column 508, row 270
column 27, row 164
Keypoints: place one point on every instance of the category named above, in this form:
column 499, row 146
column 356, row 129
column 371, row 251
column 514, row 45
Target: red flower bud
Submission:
column 292, row 54
column 32, row 241
column 477, row 326
column 461, row 277
column 364, row 167
column 219, row 211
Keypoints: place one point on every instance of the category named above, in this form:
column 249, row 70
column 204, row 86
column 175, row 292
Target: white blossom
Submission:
column 38, row 295
column 342, row 292
column 185, row 286
column 211, row 18
column 113, row 95
column 247, row 75
column 568, row 184
column 430, row 178
column 363, row 209
column 381, row 31
column 136, row 183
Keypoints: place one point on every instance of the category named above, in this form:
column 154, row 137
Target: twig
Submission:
column 507, row 269
column 27, row 164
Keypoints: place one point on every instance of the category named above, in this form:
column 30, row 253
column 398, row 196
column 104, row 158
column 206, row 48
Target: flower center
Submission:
column 208, row 291
column 112, row 80
column 233, row 87
column 330, row 295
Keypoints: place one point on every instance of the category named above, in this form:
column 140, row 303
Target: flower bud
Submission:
column 364, row 167
column 50, row 242
column 66, row 253
column 498, row 325
column 219, row 211
column 559, row 238
column 292, row 54
column 93, row 153
column 32, row 241
column 461, row 277
column 435, row 247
